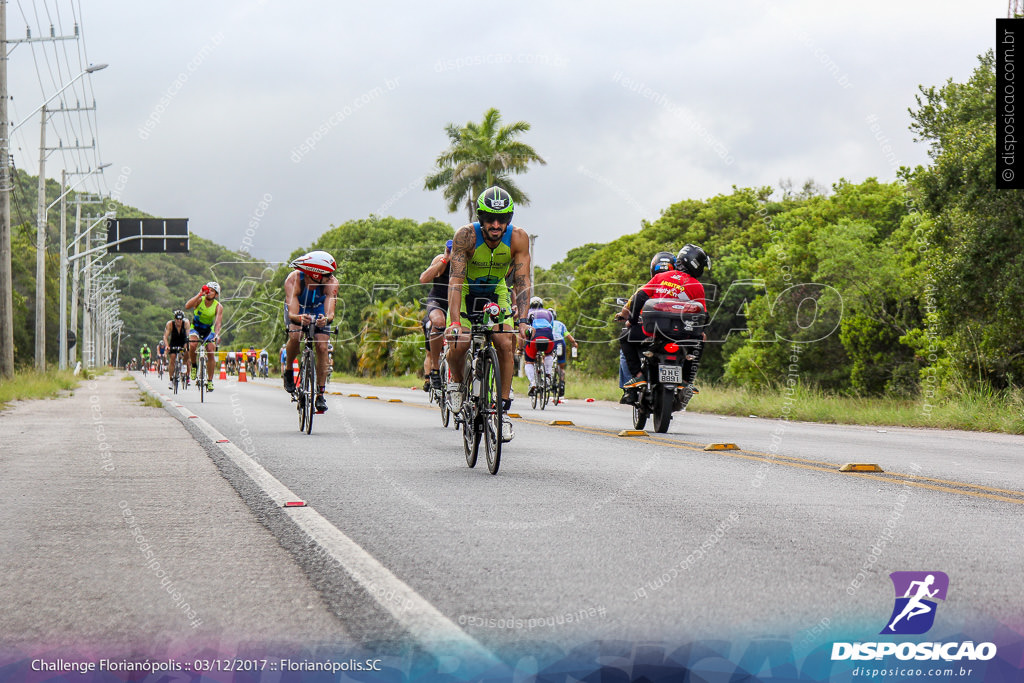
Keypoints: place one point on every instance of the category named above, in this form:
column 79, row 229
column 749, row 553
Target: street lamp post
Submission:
column 62, row 339
column 76, row 275
column 41, row 222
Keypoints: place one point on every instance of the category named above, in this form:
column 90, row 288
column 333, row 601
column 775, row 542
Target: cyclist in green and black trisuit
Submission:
column 145, row 354
column 484, row 255
column 205, row 327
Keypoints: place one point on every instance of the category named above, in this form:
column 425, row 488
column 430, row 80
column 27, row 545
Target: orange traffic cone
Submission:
column 223, row 370
column 241, row 373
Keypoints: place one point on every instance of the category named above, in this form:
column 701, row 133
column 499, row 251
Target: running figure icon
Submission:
column 916, row 596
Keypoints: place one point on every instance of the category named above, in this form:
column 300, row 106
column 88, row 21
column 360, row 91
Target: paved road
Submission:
column 585, row 535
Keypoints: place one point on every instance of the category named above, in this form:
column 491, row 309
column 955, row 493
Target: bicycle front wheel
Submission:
column 442, row 396
column 490, row 375
column 309, row 386
column 201, row 378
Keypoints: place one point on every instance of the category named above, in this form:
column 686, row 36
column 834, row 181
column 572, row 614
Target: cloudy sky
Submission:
column 295, row 116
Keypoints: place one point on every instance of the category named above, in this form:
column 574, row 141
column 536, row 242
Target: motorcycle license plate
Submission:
column 670, row 374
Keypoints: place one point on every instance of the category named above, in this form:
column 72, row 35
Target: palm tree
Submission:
column 479, row 156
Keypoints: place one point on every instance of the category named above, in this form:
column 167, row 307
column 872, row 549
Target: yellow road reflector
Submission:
column 394, row 400
column 632, row 432
column 561, row 422
column 353, row 395
column 513, row 414
column 721, row 447
column 334, row 393
column 860, row 467
column 370, row 397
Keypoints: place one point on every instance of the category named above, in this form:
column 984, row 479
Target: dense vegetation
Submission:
column 864, row 288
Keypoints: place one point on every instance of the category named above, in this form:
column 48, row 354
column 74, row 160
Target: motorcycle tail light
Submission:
column 671, row 347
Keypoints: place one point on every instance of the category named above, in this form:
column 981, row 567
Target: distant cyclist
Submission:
column 540, row 339
column 437, row 310
column 205, row 328
column 144, row 354
column 161, row 356
column 484, row 255
column 264, row 363
column 562, row 335
column 310, row 291
column 175, row 338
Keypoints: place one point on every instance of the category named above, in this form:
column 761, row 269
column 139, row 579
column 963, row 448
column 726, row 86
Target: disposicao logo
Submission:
column 913, row 613
column 916, row 595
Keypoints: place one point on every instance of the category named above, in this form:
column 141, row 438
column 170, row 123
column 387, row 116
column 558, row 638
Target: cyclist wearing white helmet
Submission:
column 205, row 328
column 309, row 296
column 541, row 338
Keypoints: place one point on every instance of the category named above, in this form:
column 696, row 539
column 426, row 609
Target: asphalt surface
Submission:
column 586, row 535
column 118, row 533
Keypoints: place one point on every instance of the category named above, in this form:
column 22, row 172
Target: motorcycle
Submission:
column 674, row 331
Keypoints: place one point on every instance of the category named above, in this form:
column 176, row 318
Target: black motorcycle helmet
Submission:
column 693, row 260
column 662, row 261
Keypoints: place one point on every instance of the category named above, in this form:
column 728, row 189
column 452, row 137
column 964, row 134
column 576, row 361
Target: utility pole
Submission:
column 6, row 187
column 6, row 278
column 42, row 215
column 41, row 251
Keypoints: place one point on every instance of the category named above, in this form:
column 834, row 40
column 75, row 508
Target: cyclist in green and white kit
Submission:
column 486, row 254
column 144, row 353
column 205, row 328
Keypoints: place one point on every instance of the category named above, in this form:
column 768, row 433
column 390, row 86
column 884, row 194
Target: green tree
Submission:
column 480, row 155
column 976, row 238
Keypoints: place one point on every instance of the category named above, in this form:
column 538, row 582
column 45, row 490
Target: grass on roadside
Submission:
column 28, row 384
column 967, row 409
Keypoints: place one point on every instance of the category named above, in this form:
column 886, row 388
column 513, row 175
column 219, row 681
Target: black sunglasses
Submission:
column 502, row 218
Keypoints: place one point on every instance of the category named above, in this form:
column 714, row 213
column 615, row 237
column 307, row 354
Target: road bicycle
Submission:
column 180, row 370
column 201, row 372
column 543, row 389
column 482, row 409
column 440, row 396
column 306, row 383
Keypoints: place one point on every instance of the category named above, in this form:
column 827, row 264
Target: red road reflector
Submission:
column 590, row 400
column 295, row 504
column 192, row 417
column 223, row 441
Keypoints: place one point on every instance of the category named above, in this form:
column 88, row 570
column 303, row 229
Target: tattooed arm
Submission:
column 520, row 272
column 462, row 249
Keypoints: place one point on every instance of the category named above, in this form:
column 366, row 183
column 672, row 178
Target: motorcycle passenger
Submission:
column 540, row 335
column 667, row 282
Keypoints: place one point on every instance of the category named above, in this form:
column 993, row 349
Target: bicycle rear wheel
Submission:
column 543, row 384
column 309, row 387
column 491, row 403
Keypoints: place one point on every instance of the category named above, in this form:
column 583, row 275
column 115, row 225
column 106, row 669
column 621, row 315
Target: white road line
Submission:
column 433, row 631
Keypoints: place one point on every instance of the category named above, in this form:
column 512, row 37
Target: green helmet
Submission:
column 495, row 200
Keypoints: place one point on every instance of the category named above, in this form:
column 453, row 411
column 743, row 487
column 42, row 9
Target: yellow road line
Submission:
column 943, row 485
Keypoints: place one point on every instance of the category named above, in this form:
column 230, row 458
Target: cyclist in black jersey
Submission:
column 175, row 337
column 437, row 310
